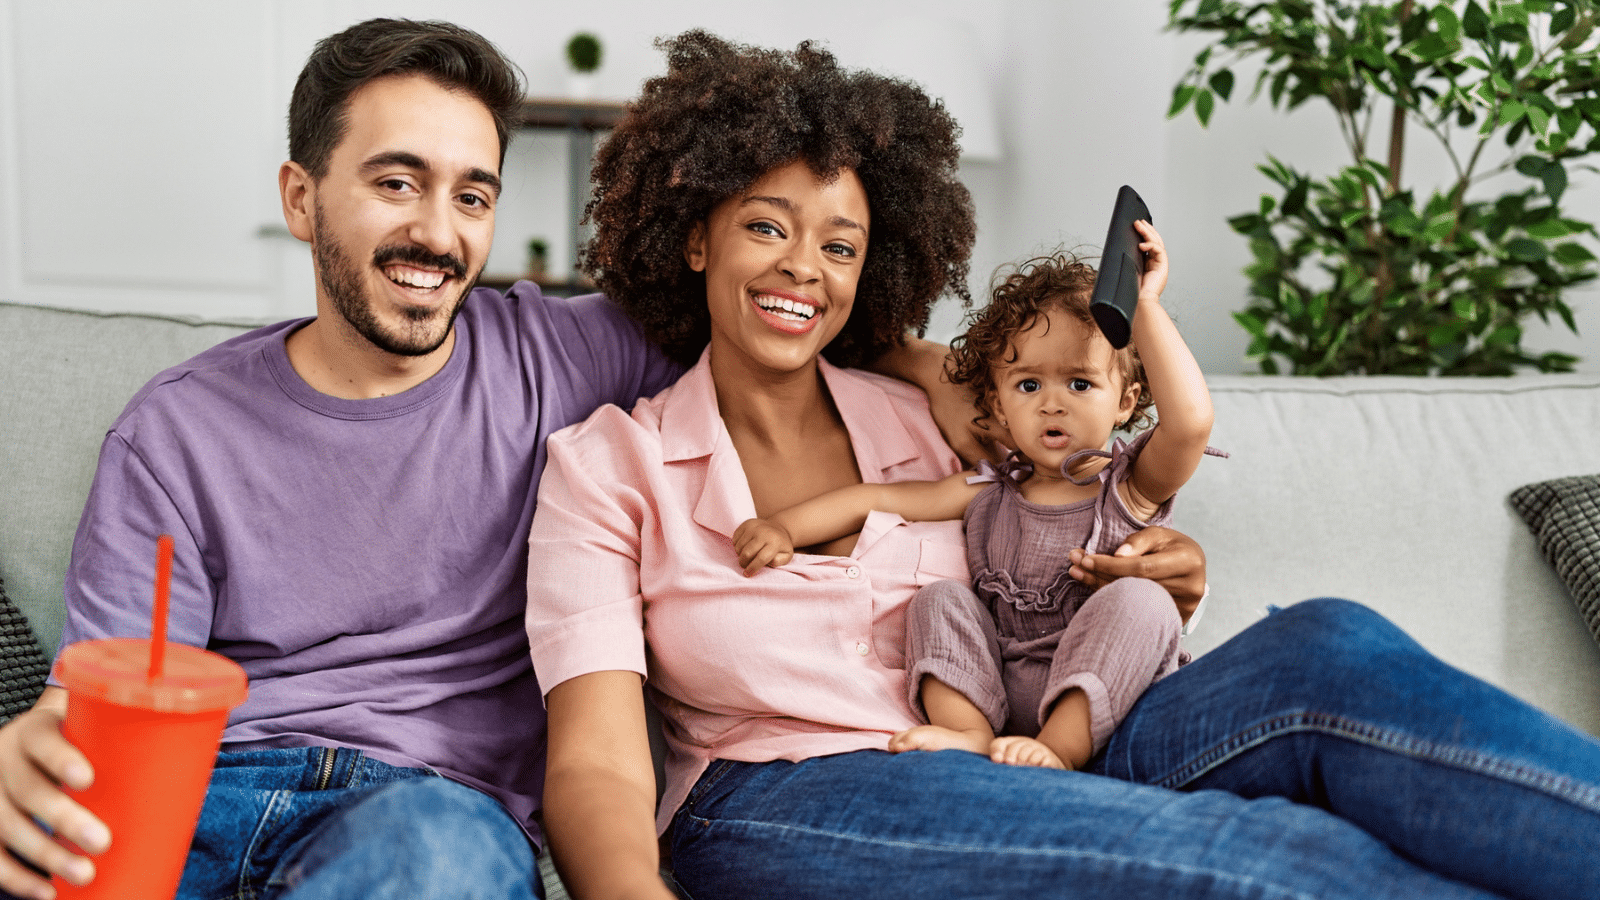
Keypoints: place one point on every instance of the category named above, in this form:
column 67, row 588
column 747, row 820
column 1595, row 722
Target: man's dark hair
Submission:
column 722, row 117
column 342, row 64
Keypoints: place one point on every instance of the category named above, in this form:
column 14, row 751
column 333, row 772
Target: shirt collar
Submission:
column 691, row 428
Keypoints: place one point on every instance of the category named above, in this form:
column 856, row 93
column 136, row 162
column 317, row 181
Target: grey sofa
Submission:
column 1384, row 490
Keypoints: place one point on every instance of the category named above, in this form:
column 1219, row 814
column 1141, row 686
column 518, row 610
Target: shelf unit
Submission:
column 582, row 121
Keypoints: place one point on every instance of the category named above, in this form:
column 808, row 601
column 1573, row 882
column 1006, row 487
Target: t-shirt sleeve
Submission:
column 109, row 590
column 609, row 351
column 585, row 612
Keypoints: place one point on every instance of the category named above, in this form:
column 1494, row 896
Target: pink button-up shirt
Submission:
column 632, row 568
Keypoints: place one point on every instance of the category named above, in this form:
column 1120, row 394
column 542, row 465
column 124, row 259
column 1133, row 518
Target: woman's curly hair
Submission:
column 1060, row 282
column 722, row 117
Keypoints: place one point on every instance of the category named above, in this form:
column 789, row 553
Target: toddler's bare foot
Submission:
column 935, row 737
column 1024, row 751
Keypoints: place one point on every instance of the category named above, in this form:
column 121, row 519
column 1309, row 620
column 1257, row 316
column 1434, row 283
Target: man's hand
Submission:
column 762, row 543
column 35, row 761
column 1169, row 558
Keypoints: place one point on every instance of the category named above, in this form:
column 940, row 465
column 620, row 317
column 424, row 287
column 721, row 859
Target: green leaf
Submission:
column 1538, row 119
column 1431, row 48
column 1439, row 228
column 1511, row 112
column 1525, row 250
column 1475, row 22
column 1549, row 230
column 1505, row 335
column 1562, row 19
column 1352, row 217
column 1555, row 179
column 1294, row 202
column 1222, row 82
column 1204, row 102
column 1448, row 23
column 1572, row 254
column 1181, row 95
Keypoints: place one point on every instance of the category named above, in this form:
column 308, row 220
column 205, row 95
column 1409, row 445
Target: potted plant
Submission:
column 1365, row 271
column 584, row 53
column 538, row 258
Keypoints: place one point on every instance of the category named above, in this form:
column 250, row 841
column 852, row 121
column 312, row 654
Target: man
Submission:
column 350, row 497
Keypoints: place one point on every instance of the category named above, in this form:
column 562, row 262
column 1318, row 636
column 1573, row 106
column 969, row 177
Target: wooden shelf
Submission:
column 558, row 113
column 582, row 121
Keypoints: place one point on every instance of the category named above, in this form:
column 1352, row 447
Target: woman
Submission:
column 772, row 215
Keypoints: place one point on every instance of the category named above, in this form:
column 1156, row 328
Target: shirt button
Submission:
column 862, row 648
column 853, row 572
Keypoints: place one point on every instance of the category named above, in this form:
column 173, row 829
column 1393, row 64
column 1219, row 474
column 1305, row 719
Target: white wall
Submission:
column 103, row 197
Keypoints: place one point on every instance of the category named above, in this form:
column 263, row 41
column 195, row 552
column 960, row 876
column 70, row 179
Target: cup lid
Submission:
column 117, row 670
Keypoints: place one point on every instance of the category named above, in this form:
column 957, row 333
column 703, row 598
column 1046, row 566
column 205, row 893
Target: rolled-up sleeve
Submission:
column 585, row 613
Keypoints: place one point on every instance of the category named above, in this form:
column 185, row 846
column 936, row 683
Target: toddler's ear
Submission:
column 1130, row 399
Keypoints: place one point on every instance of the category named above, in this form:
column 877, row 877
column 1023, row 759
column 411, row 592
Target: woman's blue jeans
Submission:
column 1319, row 754
column 322, row 822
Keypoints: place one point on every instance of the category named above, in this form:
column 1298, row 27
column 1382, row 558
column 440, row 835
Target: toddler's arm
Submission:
column 771, row 541
column 1183, row 405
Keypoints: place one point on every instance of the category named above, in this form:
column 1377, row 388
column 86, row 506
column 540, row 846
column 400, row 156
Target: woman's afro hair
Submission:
column 722, row 117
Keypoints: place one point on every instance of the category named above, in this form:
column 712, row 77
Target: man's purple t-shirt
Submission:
column 363, row 560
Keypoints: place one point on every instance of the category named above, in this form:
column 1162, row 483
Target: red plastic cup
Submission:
column 152, row 741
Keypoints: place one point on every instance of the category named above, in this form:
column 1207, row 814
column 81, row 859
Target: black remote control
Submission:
column 1116, row 285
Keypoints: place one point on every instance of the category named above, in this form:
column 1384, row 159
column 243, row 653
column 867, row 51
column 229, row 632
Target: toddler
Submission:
column 1029, row 653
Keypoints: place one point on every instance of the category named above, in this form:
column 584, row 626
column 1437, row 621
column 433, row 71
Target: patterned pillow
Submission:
column 22, row 664
column 1564, row 515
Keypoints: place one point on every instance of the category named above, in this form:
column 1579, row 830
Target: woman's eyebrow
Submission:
column 785, row 204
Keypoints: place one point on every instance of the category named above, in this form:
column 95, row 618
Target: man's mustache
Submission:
column 412, row 254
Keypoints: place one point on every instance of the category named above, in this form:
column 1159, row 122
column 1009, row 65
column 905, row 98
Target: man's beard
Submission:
column 423, row 330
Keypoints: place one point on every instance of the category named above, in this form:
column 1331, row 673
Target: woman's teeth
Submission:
column 788, row 308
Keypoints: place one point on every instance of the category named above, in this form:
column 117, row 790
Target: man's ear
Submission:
column 694, row 249
column 297, row 190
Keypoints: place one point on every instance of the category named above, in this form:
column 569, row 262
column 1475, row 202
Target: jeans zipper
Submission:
column 326, row 775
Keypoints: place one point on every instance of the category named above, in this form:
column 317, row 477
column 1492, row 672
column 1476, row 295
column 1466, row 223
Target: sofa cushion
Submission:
column 66, row 375
column 1392, row 492
column 22, row 663
column 1564, row 514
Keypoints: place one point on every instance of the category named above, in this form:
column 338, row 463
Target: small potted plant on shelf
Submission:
column 538, row 258
column 1365, row 271
column 584, row 53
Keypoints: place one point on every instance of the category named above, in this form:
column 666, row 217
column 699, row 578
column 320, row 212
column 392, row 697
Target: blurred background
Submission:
column 139, row 142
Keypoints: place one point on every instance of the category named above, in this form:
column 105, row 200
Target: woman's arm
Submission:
column 771, row 541
column 600, row 790
column 1183, row 404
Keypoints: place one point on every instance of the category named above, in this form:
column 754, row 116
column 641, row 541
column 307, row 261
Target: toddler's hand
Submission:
column 1154, row 279
column 761, row 543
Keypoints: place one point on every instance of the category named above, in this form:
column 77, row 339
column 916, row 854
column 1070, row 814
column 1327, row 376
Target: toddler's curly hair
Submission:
column 723, row 116
column 1061, row 282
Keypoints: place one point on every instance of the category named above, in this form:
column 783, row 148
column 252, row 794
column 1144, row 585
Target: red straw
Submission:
column 158, row 625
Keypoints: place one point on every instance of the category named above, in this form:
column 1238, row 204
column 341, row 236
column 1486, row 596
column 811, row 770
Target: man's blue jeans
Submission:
column 1319, row 754
column 313, row 823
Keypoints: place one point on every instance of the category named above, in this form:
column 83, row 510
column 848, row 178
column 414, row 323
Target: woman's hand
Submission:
column 1170, row 558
